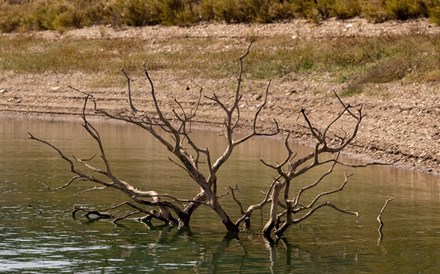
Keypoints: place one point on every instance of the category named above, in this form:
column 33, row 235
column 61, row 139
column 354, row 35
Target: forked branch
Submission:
column 114, row 182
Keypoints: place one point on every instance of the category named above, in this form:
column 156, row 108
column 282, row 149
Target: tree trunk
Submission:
column 230, row 226
column 273, row 209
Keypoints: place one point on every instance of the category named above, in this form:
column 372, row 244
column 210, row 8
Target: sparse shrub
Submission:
column 23, row 15
column 406, row 9
column 305, row 9
column 91, row 12
column 10, row 20
column 258, row 10
column 434, row 12
column 177, row 12
column 238, row 11
column 279, row 10
column 324, row 8
column 352, row 90
column 374, row 10
column 136, row 12
column 387, row 71
column 65, row 20
column 44, row 15
column 231, row 11
column 344, row 9
column 207, row 10
column 266, row 11
column 432, row 76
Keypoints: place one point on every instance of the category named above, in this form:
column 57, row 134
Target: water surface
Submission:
column 38, row 235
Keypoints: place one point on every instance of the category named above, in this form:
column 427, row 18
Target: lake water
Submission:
column 38, row 235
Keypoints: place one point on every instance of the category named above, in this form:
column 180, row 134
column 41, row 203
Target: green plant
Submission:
column 178, row 12
column 9, row 21
column 351, row 90
column 306, row 9
column 344, row 9
column 135, row 12
column 206, row 10
column 374, row 10
column 231, row 11
column 434, row 12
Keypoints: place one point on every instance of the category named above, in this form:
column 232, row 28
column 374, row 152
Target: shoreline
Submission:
column 353, row 152
column 401, row 123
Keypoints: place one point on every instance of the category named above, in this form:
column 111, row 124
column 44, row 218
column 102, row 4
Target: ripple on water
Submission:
column 15, row 265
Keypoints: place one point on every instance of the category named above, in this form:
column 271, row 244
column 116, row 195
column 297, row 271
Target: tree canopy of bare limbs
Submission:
column 283, row 201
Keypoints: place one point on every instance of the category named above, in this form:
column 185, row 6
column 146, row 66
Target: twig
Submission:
column 379, row 219
column 235, row 198
column 129, row 89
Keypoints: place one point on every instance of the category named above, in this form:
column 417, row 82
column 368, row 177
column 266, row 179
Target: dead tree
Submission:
column 173, row 131
column 286, row 205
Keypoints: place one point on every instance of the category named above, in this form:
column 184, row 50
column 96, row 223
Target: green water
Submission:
column 38, row 235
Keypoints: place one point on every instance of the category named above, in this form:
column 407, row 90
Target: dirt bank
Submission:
column 402, row 122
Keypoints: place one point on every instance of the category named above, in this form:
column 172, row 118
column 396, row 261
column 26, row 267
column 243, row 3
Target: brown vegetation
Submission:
column 23, row 15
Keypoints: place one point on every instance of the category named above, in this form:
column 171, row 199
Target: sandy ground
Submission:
column 402, row 123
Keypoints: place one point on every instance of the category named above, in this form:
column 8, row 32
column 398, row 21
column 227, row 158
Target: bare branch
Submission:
column 72, row 166
column 329, row 204
column 116, row 220
column 159, row 112
column 91, row 212
column 240, row 73
column 235, row 198
column 340, row 188
column 89, row 159
column 130, row 102
column 279, row 167
column 254, row 131
column 90, row 166
column 92, row 189
column 379, row 219
column 258, row 206
column 315, row 132
column 318, row 181
column 63, row 186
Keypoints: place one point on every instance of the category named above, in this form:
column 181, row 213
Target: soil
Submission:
column 401, row 125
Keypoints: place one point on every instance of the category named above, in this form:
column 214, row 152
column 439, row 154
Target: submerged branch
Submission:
column 91, row 214
column 379, row 219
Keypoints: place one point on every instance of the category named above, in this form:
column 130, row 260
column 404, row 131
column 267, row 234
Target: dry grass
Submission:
column 357, row 61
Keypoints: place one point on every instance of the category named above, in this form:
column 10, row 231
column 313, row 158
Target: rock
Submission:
column 3, row 90
column 55, row 88
column 292, row 91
